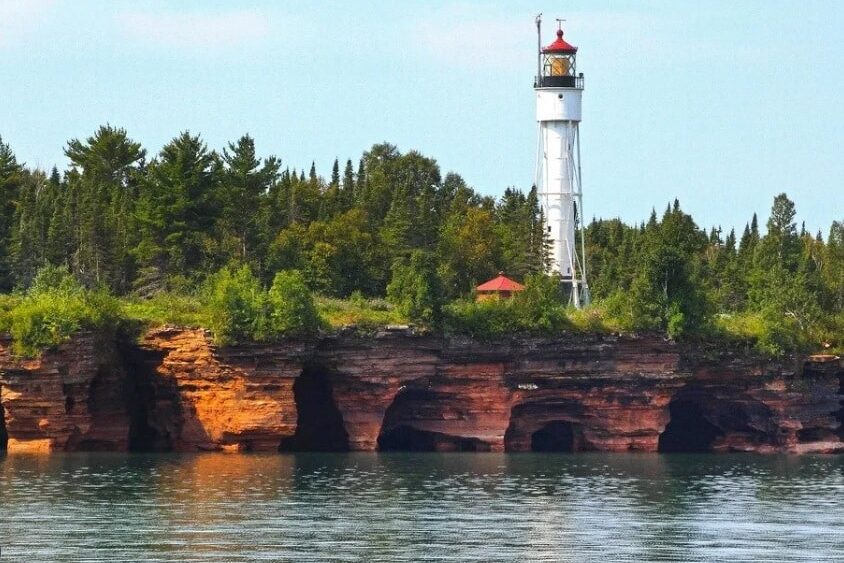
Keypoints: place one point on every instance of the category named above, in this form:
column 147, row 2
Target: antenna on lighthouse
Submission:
column 559, row 91
column 538, row 46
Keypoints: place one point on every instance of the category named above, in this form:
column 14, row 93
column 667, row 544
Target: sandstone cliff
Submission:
column 397, row 391
column 71, row 398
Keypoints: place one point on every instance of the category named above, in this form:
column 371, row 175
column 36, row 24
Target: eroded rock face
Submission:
column 416, row 393
column 753, row 409
column 366, row 374
column 596, row 394
column 197, row 397
column 399, row 391
column 70, row 398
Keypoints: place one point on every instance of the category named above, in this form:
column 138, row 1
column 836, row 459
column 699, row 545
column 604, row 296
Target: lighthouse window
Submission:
column 560, row 96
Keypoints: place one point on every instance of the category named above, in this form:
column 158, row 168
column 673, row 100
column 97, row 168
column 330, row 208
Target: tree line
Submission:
column 391, row 224
column 120, row 220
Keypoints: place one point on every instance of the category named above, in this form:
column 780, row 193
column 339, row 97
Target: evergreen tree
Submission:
column 415, row 288
column 107, row 165
column 347, row 190
column 244, row 183
column 10, row 179
column 177, row 206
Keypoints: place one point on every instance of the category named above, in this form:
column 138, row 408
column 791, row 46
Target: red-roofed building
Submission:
column 501, row 287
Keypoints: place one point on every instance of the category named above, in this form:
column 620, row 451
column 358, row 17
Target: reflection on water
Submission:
column 481, row 507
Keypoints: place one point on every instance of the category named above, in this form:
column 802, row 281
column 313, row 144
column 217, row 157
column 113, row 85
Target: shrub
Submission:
column 55, row 307
column 485, row 319
column 540, row 307
column 594, row 318
column 235, row 303
column 290, row 306
column 50, row 278
column 780, row 334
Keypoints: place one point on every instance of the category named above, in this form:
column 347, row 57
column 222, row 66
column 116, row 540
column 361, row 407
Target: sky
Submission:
column 722, row 105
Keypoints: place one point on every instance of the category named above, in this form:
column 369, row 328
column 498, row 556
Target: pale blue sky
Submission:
column 721, row 104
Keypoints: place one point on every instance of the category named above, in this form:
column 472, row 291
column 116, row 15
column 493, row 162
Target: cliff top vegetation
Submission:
column 254, row 250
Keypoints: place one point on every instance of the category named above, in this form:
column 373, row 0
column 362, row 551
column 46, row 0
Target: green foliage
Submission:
column 541, row 306
column 167, row 309
column 367, row 314
column 596, row 318
column 53, row 309
column 236, row 303
column 491, row 318
column 290, row 306
column 468, row 249
column 178, row 204
column 769, row 332
column 152, row 230
column 539, row 309
column 415, row 289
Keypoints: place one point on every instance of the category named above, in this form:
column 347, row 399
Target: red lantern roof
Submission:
column 501, row 283
column 560, row 45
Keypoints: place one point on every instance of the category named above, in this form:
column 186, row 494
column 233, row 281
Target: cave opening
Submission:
column 141, row 398
column 405, row 438
column 4, row 436
column 418, row 406
column 319, row 423
column 688, row 430
column 808, row 435
column 556, row 436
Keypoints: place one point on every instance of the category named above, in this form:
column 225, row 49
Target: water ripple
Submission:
column 409, row 507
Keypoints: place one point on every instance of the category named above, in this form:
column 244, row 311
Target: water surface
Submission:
column 464, row 507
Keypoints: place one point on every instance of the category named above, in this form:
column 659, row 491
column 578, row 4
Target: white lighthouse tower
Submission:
column 558, row 101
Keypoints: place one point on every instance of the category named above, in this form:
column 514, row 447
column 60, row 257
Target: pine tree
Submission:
column 331, row 203
column 177, row 206
column 10, row 179
column 347, row 191
column 245, row 181
column 107, row 165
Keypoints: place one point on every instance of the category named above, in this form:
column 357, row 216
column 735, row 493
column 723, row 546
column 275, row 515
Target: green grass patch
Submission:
column 167, row 309
column 359, row 312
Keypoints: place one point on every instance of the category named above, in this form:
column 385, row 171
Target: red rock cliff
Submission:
column 197, row 397
column 70, row 398
column 400, row 391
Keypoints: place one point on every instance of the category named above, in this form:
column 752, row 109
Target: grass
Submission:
column 167, row 309
column 594, row 318
column 360, row 312
column 740, row 326
column 48, row 318
column 191, row 311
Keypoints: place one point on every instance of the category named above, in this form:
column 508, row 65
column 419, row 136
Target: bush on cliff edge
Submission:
column 55, row 307
column 291, row 310
column 241, row 311
column 236, row 303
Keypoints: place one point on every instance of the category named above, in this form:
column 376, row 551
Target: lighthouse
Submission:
column 559, row 90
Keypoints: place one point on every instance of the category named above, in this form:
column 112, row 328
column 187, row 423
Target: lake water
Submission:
column 415, row 507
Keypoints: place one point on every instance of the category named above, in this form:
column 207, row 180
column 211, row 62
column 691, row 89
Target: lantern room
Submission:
column 558, row 65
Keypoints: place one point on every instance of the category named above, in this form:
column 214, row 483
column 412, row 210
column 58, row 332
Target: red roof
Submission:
column 560, row 45
column 501, row 283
